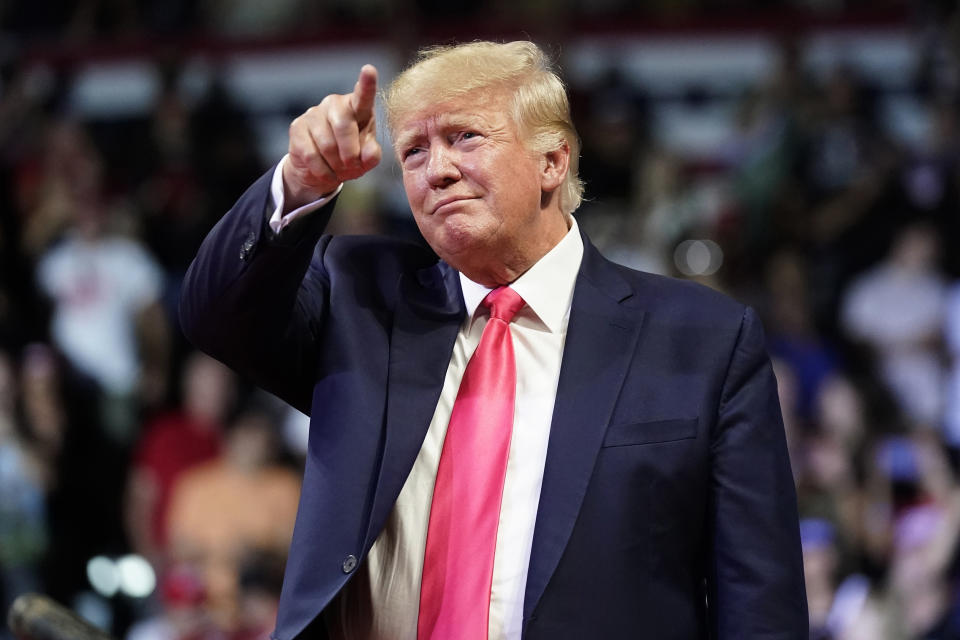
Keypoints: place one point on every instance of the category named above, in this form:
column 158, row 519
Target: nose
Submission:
column 442, row 166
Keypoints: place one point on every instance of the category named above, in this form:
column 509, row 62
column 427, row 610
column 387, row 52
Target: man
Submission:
column 642, row 487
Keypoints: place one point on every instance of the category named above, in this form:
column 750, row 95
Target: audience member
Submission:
column 23, row 477
column 897, row 309
column 172, row 443
column 242, row 502
column 105, row 291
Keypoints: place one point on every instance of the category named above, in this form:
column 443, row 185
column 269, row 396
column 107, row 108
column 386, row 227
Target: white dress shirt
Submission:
column 382, row 601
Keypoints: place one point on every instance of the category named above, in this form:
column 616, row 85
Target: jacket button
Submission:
column 247, row 247
column 349, row 563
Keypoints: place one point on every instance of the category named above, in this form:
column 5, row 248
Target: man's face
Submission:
column 473, row 185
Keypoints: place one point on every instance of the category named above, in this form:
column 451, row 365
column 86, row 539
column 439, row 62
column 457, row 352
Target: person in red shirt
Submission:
column 172, row 443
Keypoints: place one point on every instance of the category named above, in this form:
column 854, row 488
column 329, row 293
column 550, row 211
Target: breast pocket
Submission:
column 634, row 433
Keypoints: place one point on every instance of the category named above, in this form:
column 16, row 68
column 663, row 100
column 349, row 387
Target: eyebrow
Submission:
column 401, row 142
column 444, row 121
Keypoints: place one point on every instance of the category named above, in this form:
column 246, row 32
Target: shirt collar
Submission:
column 546, row 287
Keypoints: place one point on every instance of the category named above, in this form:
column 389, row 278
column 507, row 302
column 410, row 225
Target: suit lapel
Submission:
column 429, row 312
column 601, row 339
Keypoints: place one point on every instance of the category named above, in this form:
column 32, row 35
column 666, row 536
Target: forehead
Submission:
column 481, row 107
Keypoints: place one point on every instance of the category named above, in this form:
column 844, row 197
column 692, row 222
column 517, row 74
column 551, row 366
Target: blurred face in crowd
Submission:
column 250, row 442
column 207, row 388
column 915, row 249
column 477, row 192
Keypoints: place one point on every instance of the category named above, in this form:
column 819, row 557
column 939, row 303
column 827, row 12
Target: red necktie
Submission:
column 462, row 534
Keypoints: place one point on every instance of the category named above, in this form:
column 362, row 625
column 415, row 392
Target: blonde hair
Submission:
column 540, row 106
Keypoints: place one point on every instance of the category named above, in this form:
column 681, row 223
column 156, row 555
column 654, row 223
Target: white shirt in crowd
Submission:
column 98, row 288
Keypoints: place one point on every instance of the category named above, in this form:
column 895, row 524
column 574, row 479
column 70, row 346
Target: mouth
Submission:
column 449, row 201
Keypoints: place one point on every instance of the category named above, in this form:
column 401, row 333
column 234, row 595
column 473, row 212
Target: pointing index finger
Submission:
column 364, row 93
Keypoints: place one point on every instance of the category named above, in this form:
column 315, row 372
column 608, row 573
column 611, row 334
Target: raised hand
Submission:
column 332, row 142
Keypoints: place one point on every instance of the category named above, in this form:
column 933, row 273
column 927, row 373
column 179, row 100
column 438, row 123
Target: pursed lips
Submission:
column 449, row 200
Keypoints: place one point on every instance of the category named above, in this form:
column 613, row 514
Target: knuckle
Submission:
column 297, row 153
column 331, row 103
column 296, row 127
column 341, row 118
column 327, row 146
column 341, row 126
column 312, row 162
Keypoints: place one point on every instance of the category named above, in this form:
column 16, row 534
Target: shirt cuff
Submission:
column 277, row 220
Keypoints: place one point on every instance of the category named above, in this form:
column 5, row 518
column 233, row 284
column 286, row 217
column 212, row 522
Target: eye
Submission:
column 467, row 135
column 412, row 151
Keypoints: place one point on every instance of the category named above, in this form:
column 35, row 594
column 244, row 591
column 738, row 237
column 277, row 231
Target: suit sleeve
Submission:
column 257, row 300
column 755, row 579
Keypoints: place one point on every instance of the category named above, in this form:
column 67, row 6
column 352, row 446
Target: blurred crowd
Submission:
column 117, row 438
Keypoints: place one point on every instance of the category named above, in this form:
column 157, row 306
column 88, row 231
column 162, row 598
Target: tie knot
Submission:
column 503, row 303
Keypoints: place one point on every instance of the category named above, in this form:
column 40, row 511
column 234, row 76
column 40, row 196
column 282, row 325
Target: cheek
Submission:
column 415, row 193
column 516, row 179
column 409, row 185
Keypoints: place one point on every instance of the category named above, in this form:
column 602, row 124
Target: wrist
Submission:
column 296, row 194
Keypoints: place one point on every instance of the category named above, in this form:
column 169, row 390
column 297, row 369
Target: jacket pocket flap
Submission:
column 620, row 435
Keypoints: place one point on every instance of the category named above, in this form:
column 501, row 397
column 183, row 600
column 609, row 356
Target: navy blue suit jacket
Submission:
column 668, row 508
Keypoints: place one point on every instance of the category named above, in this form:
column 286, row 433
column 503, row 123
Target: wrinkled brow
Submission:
column 411, row 135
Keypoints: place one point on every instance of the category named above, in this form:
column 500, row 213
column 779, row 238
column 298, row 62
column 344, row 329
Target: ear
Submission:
column 553, row 167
